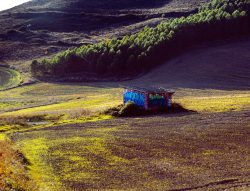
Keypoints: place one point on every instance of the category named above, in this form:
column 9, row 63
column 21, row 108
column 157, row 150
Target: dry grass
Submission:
column 13, row 172
column 8, row 124
column 43, row 98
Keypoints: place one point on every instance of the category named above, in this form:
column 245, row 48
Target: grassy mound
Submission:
column 130, row 109
column 9, row 78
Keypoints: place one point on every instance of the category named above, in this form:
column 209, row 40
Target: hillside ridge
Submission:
column 41, row 28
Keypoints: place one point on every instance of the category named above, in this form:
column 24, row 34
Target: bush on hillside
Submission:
column 130, row 109
column 114, row 111
column 14, row 174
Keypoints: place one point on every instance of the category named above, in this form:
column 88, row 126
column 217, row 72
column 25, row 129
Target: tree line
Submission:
column 151, row 46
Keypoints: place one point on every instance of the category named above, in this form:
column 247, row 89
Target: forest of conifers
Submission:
column 140, row 52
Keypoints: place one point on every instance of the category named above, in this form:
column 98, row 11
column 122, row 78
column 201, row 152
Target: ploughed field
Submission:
column 57, row 134
column 208, row 151
column 223, row 66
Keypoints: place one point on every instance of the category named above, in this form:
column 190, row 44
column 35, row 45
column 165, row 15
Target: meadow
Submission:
column 72, row 100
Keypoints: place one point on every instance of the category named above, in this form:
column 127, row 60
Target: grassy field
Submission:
column 71, row 103
column 56, row 98
column 81, row 149
column 9, row 78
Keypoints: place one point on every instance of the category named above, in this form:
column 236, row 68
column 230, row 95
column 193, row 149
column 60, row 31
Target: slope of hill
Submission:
column 150, row 47
column 108, row 5
column 218, row 72
column 40, row 28
column 222, row 66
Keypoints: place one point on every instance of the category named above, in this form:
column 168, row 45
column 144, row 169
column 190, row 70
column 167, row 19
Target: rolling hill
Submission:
column 58, row 136
column 225, row 65
column 41, row 28
column 151, row 46
column 207, row 150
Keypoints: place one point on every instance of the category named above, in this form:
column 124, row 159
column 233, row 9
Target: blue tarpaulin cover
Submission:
column 136, row 97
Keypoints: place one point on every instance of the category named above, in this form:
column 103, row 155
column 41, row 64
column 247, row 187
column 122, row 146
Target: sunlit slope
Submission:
column 225, row 66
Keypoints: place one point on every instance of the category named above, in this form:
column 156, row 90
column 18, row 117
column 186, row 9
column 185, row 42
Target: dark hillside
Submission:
column 108, row 5
column 42, row 27
column 150, row 47
column 72, row 5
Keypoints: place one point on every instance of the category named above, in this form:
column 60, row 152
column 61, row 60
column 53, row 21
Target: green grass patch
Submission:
column 9, row 105
column 90, row 105
column 9, row 78
column 12, row 124
column 58, row 99
column 3, row 137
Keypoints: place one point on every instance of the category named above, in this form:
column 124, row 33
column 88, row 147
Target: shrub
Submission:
column 131, row 109
column 114, row 111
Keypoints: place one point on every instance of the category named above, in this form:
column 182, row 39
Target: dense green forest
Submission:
column 150, row 47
